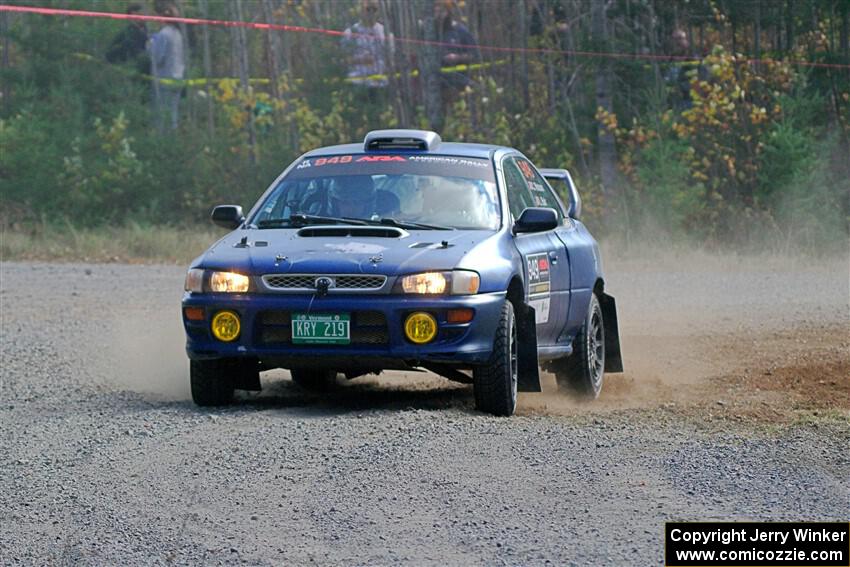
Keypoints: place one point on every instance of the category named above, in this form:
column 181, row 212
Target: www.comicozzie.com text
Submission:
column 743, row 534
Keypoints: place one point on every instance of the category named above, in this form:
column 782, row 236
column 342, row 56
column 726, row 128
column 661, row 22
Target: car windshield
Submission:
column 411, row 191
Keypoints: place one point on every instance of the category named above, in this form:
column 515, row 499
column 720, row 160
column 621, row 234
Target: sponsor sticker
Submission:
column 449, row 160
column 526, row 169
column 538, row 274
column 541, row 310
column 332, row 160
column 372, row 159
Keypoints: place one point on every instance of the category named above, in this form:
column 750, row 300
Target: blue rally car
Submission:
column 404, row 252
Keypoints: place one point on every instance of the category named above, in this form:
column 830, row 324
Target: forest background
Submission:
column 758, row 158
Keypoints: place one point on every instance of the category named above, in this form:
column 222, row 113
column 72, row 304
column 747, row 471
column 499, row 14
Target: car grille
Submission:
column 301, row 282
column 367, row 328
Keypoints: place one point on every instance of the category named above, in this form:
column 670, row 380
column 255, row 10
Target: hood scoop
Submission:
column 432, row 245
column 356, row 231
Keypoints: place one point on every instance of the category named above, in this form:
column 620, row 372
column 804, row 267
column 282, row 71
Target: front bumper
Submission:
column 459, row 344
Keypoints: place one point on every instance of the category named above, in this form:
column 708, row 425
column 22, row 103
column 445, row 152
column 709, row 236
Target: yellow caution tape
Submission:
column 265, row 81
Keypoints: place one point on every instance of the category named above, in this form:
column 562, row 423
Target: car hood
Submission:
column 270, row 251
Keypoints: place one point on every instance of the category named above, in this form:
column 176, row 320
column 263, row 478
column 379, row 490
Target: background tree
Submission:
column 573, row 83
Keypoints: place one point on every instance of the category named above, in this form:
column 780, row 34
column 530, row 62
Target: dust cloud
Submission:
column 688, row 319
column 148, row 356
column 693, row 321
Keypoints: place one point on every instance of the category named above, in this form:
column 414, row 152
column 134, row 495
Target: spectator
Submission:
column 681, row 70
column 129, row 44
column 366, row 45
column 459, row 48
column 168, row 66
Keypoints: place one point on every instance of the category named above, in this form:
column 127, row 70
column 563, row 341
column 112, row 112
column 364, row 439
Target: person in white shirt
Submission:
column 168, row 66
column 367, row 48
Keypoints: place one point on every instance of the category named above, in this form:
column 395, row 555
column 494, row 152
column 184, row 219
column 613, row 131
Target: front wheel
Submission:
column 495, row 383
column 581, row 373
column 212, row 382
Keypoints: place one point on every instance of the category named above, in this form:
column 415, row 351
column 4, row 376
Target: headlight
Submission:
column 198, row 280
column 429, row 282
column 457, row 282
column 229, row 282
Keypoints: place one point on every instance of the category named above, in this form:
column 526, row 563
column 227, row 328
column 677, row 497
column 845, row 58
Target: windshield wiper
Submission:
column 408, row 224
column 303, row 220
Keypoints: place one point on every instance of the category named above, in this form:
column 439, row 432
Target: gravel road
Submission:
column 104, row 460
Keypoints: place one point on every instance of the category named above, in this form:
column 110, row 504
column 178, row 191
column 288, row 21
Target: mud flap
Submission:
column 613, row 358
column 528, row 379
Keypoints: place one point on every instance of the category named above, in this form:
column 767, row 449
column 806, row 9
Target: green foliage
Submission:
column 668, row 191
column 806, row 189
column 103, row 173
column 27, row 151
column 760, row 151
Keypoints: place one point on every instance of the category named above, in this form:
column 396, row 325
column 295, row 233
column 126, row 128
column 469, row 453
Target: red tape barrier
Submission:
column 337, row 33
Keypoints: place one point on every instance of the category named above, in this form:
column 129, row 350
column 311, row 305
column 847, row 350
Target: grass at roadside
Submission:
column 148, row 244
column 130, row 244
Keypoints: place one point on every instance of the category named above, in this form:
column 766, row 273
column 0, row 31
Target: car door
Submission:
column 582, row 251
column 545, row 263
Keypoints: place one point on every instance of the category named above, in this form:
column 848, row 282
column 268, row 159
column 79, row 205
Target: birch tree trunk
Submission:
column 429, row 57
column 208, row 69
column 241, row 44
column 523, row 25
column 757, row 40
column 6, row 89
column 607, row 151
column 272, row 50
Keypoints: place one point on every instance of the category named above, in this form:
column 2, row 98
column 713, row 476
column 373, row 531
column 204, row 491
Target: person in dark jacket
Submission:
column 459, row 47
column 129, row 44
column 684, row 65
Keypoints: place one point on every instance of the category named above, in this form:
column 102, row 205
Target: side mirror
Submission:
column 536, row 219
column 228, row 216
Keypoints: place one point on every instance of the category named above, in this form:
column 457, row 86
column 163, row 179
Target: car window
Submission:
column 439, row 190
column 519, row 197
column 541, row 193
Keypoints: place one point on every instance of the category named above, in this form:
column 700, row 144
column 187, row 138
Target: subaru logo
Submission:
column 323, row 284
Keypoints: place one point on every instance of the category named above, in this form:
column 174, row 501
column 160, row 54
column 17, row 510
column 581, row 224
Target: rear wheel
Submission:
column 212, row 382
column 495, row 383
column 314, row 379
column 581, row 373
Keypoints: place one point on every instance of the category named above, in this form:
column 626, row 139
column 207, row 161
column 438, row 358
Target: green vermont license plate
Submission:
column 321, row 328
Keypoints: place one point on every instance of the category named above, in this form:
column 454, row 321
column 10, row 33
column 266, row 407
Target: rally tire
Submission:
column 495, row 383
column 211, row 381
column 581, row 373
column 314, row 379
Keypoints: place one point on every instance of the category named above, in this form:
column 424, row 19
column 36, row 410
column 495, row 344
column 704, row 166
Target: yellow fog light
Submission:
column 420, row 327
column 225, row 326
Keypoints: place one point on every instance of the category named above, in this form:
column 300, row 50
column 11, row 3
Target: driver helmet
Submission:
column 353, row 195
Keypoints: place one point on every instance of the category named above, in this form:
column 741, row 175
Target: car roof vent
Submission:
column 401, row 140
